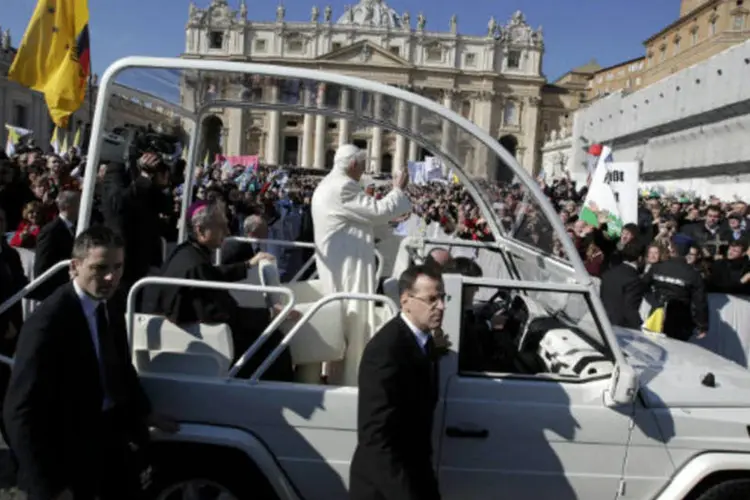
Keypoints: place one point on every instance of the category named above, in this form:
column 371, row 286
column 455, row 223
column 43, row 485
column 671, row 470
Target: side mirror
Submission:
column 623, row 386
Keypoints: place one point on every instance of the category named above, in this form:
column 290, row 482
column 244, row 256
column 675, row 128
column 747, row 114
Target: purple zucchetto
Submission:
column 195, row 208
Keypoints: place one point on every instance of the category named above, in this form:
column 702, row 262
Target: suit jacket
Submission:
column 54, row 243
column 236, row 252
column 622, row 291
column 184, row 305
column 12, row 279
column 398, row 388
column 53, row 408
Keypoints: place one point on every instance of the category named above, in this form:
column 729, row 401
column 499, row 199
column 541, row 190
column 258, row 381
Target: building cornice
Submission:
column 683, row 19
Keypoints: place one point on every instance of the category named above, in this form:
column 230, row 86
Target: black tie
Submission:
column 429, row 348
column 107, row 355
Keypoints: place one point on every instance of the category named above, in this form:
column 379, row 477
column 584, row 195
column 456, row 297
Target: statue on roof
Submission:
column 280, row 13
column 314, row 14
column 538, row 36
column 374, row 13
column 517, row 31
column 454, row 24
column 243, row 10
column 5, row 42
column 491, row 27
column 421, row 22
column 328, row 13
column 368, row 13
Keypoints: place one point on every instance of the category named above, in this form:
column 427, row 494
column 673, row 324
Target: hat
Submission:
column 195, row 208
column 682, row 243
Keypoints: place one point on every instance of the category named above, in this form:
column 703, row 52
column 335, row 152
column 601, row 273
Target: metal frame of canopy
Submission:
column 131, row 93
column 108, row 85
column 576, row 273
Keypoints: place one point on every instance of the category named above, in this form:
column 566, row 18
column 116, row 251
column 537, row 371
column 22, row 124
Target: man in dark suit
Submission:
column 622, row 288
column 184, row 305
column 234, row 251
column 74, row 404
column 398, row 391
column 55, row 242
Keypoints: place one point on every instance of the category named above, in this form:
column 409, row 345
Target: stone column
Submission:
column 344, row 126
column 319, row 158
column 376, row 149
column 399, row 158
column 485, row 164
column 413, row 146
column 274, row 126
column 447, row 139
column 307, row 130
column 530, row 121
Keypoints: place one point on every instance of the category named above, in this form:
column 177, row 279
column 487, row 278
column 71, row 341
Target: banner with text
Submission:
column 613, row 194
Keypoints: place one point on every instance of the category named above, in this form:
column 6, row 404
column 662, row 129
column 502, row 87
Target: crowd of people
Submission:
column 262, row 202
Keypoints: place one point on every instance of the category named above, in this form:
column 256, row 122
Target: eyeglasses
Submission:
column 433, row 301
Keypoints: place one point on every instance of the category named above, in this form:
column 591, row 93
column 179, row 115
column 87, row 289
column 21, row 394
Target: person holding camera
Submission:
column 134, row 210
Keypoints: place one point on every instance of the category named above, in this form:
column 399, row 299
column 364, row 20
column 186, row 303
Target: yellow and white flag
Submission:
column 15, row 135
column 55, row 57
column 78, row 140
column 55, row 141
column 64, row 148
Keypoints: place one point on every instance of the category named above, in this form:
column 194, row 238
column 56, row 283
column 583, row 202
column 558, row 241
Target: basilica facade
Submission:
column 495, row 80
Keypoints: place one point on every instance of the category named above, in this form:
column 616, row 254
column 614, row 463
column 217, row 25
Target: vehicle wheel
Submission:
column 734, row 489
column 203, row 481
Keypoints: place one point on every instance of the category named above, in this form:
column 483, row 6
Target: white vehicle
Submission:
column 587, row 412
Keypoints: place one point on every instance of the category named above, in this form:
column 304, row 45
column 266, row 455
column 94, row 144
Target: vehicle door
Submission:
column 526, row 435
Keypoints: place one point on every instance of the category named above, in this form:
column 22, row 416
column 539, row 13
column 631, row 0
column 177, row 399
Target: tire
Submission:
column 206, row 478
column 733, row 489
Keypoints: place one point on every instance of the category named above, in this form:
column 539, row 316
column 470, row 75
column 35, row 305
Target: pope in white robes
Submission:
column 345, row 219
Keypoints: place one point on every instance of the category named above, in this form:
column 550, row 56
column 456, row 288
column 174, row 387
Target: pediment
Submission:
column 364, row 52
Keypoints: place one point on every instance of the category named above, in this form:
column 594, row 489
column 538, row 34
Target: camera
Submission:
column 127, row 144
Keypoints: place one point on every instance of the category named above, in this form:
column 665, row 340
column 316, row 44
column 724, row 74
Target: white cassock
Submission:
column 345, row 220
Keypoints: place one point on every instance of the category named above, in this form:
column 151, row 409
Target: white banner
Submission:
column 614, row 193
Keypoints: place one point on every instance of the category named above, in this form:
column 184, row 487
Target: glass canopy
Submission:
column 247, row 109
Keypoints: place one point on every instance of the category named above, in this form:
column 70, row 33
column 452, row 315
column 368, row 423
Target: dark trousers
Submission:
column 116, row 475
column 678, row 320
column 7, row 348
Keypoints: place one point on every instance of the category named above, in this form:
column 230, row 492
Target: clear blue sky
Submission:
column 575, row 30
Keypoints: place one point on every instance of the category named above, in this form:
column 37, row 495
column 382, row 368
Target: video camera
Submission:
column 127, row 144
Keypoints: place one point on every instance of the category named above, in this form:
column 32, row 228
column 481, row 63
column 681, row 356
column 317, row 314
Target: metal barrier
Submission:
column 21, row 294
column 215, row 285
column 306, row 317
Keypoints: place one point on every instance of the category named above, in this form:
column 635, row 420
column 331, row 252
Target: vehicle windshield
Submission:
column 486, row 187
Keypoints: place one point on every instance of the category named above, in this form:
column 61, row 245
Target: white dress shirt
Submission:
column 420, row 336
